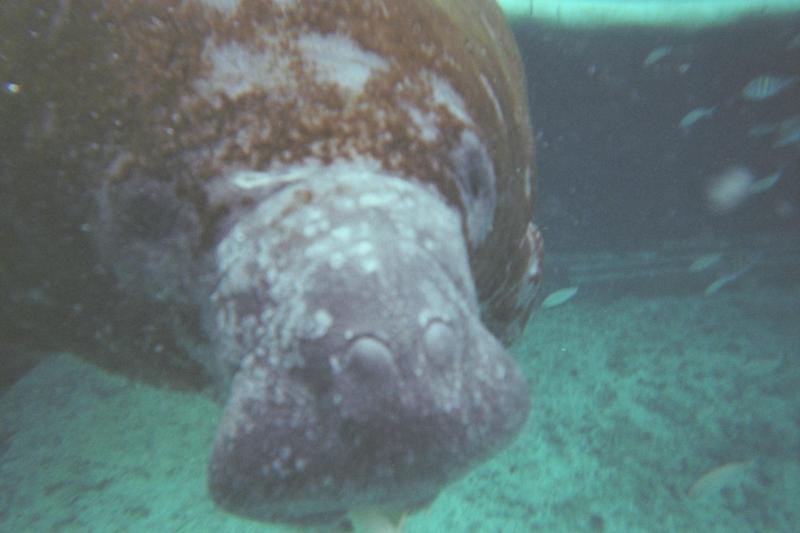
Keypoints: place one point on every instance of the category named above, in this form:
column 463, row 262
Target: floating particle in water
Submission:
column 727, row 190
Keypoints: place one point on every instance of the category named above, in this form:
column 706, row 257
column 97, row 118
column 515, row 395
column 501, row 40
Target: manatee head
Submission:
column 361, row 373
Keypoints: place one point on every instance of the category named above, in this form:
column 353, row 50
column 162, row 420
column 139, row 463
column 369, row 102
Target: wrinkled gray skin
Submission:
column 367, row 374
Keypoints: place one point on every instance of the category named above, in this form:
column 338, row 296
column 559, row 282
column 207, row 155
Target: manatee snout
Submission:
column 377, row 385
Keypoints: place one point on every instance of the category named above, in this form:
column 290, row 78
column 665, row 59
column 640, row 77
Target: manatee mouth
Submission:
column 372, row 385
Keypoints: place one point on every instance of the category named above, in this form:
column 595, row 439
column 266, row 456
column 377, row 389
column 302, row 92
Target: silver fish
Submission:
column 767, row 86
column 766, row 183
column 732, row 276
column 705, row 261
column 559, row 297
column 657, row 55
column 694, row 115
column 761, row 130
column 788, row 132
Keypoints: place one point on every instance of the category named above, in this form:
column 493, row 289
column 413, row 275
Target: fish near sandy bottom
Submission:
column 320, row 210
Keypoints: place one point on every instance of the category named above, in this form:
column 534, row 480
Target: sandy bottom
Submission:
column 637, row 402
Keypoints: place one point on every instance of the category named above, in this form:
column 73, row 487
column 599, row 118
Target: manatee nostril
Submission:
column 440, row 343
column 369, row 358
column 367, row 385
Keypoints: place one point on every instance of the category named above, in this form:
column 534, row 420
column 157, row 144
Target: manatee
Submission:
column 319, row 212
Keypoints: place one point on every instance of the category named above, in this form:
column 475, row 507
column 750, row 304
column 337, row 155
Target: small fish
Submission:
column 787, row 138
column 713, row 481
column 719, row 283
column 705, row 261
column 761, row 130
column 559, row 297
column 767, row 86
column 657, row 55
column 766, row 183
column 694, row 115
column 731, row 276
column 788, row 132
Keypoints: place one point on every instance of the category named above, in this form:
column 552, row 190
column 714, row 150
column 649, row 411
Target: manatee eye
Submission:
column 147, row 217
column 148, row 209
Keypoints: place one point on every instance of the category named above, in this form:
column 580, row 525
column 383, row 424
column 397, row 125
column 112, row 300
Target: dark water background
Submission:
column 615, row 170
